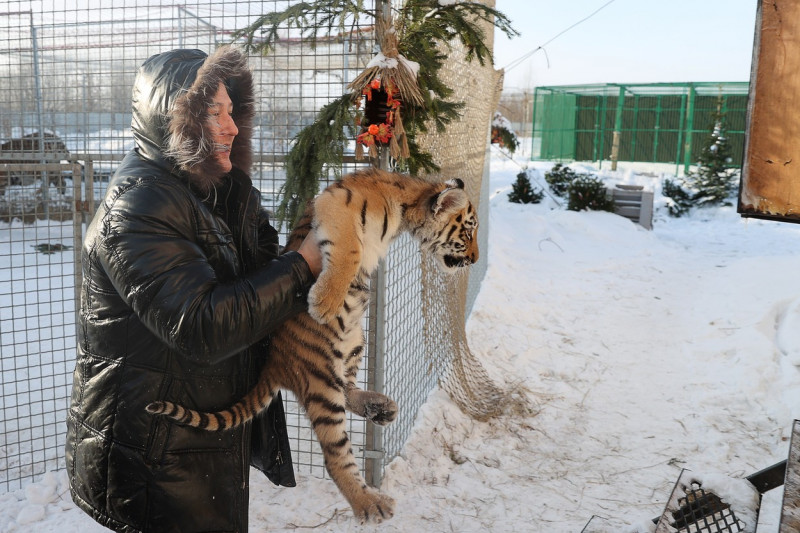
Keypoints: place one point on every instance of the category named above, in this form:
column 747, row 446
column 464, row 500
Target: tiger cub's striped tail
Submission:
column 244, row 410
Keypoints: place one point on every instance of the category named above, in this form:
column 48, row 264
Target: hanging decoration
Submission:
column 382, row 124
column 502, row 134
column 388, row 80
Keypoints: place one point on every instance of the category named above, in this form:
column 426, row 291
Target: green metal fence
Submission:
column 659, row 123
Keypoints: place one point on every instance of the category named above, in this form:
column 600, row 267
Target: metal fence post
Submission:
column 376, row 336
column 376, row 377
column 681, row 127
column 37, row 78
column 601, row 133
column 657, row 128
column 533, row 125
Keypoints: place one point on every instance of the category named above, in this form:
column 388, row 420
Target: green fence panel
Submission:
column 657, row 123
column 557, row 118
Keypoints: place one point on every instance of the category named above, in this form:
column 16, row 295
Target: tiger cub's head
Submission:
column 450, row 229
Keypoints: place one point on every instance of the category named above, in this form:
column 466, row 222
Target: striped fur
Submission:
column 317, row 354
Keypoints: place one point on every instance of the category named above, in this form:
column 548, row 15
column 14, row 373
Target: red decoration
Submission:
column 381, row 106
column 383, row 133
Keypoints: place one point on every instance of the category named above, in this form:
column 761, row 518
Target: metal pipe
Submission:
column 533, row 125
column 40, row 119
column 680, row 136
column 376, row 335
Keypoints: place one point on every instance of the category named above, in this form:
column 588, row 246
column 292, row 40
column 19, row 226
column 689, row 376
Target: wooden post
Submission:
column 617, row 127
column 614, row 149
column 770, row 187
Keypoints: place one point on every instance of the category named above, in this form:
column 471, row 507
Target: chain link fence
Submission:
column 65, row 82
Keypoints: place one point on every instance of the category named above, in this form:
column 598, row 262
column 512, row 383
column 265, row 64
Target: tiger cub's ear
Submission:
column 455, row 183
column 449, row 201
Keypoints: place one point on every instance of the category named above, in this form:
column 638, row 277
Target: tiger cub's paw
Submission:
column 373, row 506
column 374, row 406
column 322, row 306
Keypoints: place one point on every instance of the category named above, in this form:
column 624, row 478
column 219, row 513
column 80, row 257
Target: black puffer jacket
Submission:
column 181, row 284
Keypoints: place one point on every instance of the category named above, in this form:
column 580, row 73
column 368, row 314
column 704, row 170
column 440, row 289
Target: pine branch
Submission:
column 318, row 147
column 454, row 21
column 436, row 109
column 312, row 19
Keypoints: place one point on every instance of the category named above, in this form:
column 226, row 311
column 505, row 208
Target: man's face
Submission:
column 222, row 127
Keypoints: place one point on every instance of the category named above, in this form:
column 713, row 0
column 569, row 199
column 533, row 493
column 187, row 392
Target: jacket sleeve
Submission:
column 267, row 247
column 151, row 252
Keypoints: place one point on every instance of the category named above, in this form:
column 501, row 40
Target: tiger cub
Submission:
column 316, row 355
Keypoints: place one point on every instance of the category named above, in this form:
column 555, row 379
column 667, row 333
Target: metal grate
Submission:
column 693, row 509
column 700, row 512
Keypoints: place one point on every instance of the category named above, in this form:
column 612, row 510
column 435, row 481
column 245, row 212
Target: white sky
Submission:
column 632, row 41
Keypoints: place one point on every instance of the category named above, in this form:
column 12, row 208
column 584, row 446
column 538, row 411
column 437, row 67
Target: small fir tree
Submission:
column 523, row 193
column 714, row 180
column 588, row 193
column 559, row 179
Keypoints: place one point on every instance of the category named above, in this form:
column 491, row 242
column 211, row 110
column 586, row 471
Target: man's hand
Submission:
column 310, row 252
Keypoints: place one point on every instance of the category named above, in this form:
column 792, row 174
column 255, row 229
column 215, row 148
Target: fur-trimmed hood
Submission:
column 170, row 111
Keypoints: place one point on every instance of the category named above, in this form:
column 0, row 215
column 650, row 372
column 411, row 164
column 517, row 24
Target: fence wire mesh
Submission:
column 65, row 84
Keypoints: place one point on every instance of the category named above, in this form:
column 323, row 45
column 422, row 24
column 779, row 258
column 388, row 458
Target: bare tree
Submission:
column 517, row 107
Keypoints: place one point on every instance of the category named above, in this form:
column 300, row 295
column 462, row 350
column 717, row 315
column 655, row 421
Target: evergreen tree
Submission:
column 588, row 193
column 714, row 179
column 523, row 193
column 559, row 179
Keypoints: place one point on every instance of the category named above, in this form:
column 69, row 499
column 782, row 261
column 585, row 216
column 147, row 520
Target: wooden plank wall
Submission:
column 770, row 186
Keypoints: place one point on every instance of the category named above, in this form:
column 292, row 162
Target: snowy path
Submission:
column 645, row 353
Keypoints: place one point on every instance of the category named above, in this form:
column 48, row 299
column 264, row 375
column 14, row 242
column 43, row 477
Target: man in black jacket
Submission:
column 182, row 285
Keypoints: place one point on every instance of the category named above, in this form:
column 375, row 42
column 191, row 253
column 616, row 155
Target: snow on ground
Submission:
column 642, row 353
